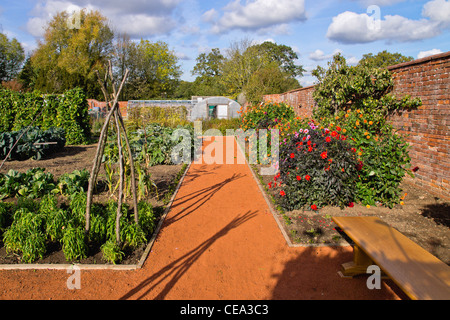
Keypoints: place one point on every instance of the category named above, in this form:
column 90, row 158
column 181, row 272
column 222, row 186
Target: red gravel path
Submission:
column 219, row 241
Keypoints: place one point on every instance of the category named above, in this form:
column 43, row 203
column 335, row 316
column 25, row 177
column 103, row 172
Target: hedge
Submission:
column 68, row 111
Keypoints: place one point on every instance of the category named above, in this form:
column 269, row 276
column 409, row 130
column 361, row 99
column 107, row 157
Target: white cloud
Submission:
column 259, row 14
column 350, row 27
column 437, row 10
column 353, row 61
column 181, row 55
column 137, row 18
column 210, row 15
column 423, row 54
column 319, row 55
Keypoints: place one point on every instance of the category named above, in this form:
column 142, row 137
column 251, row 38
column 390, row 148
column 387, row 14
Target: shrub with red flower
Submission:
column 328, row 167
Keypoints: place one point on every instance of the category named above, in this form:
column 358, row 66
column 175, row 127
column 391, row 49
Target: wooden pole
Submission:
column 101, row 145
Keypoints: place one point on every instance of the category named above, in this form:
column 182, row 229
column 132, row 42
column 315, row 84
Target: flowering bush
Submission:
column 317, row 167
column 383, row 153
column 266, row 115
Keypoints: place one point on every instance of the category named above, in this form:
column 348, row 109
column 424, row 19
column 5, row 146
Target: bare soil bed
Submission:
column 77, row 158
column 424, row 218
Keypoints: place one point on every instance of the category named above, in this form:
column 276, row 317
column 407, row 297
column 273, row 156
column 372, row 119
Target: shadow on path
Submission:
column 175, row 270
column 200, row 196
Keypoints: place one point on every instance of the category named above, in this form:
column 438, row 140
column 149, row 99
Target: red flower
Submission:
column 270, row 185
column 323, row 155
column 309, row 149
column 334, row 134
column 351, row 204
column 338, row 128
column 359, row 166
column 314, row 207
column 309, row 142
column 328, row 139
column 282, row 193
column 307, row 178
column 292, row 156
column 299, row 178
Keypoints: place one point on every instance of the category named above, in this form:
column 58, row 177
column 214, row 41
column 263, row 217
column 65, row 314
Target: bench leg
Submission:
column 359, row 264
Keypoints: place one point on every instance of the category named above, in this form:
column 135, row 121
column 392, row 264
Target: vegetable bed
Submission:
column 42, row 212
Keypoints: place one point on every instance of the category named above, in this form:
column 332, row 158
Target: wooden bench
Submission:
column 416, row 271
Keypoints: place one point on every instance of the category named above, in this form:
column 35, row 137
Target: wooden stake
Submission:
column 102, row 141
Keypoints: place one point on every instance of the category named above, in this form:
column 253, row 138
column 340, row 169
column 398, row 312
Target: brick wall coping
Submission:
column 419, row 61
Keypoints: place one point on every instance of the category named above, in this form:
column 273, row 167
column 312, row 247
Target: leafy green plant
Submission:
column 26, row 235
column 68, row 111
column 77, row 206
column 35, row 183
column 73, row 243
column 70, row 183
column 112, row 252
column 147, row 218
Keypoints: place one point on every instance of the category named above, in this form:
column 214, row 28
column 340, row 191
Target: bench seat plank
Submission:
column 416, row 271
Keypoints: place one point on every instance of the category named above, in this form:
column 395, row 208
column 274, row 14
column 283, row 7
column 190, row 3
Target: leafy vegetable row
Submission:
column 35, row 183
column 34, row 143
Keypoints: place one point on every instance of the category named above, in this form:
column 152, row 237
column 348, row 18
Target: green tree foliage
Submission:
column 154, row 70
column 254, row 69
column 11, row 58
column 383, row 59
column 363, row 87
column 284, row 56
column 208, row 70
column 69, row 54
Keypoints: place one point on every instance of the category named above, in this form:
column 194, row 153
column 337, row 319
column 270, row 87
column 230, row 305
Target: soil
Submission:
column 78, row 158
column 219, row 241
column 424, row 218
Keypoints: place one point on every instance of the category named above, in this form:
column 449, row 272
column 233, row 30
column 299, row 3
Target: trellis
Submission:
column 111, row 100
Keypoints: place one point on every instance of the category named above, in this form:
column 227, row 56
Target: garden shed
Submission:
column 214, row 108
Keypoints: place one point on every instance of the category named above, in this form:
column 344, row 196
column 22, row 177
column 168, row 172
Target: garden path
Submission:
column 218, row 241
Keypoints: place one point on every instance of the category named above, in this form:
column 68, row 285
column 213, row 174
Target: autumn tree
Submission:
column 69, row 54
column 260, row 69
column 383, row 59
column 11, row 58
column 208, row 70
column 154, row 70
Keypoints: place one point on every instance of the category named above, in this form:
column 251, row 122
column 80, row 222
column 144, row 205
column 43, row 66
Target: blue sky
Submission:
column 314, row 29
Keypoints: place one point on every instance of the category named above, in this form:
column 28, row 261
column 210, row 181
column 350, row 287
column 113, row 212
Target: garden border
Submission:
column 54, row 266
column 277, row 216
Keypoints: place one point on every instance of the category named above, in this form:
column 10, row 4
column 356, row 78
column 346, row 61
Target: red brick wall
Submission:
column 427, row 129
column 300, row 99
column 102, row 105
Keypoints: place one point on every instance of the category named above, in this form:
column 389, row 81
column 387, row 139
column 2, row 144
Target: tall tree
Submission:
column 154, row 70
column 284, row 56
column 11, row 58
column 256, row 70
column 208, row 70
column 69, row 55
column 383, row 59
